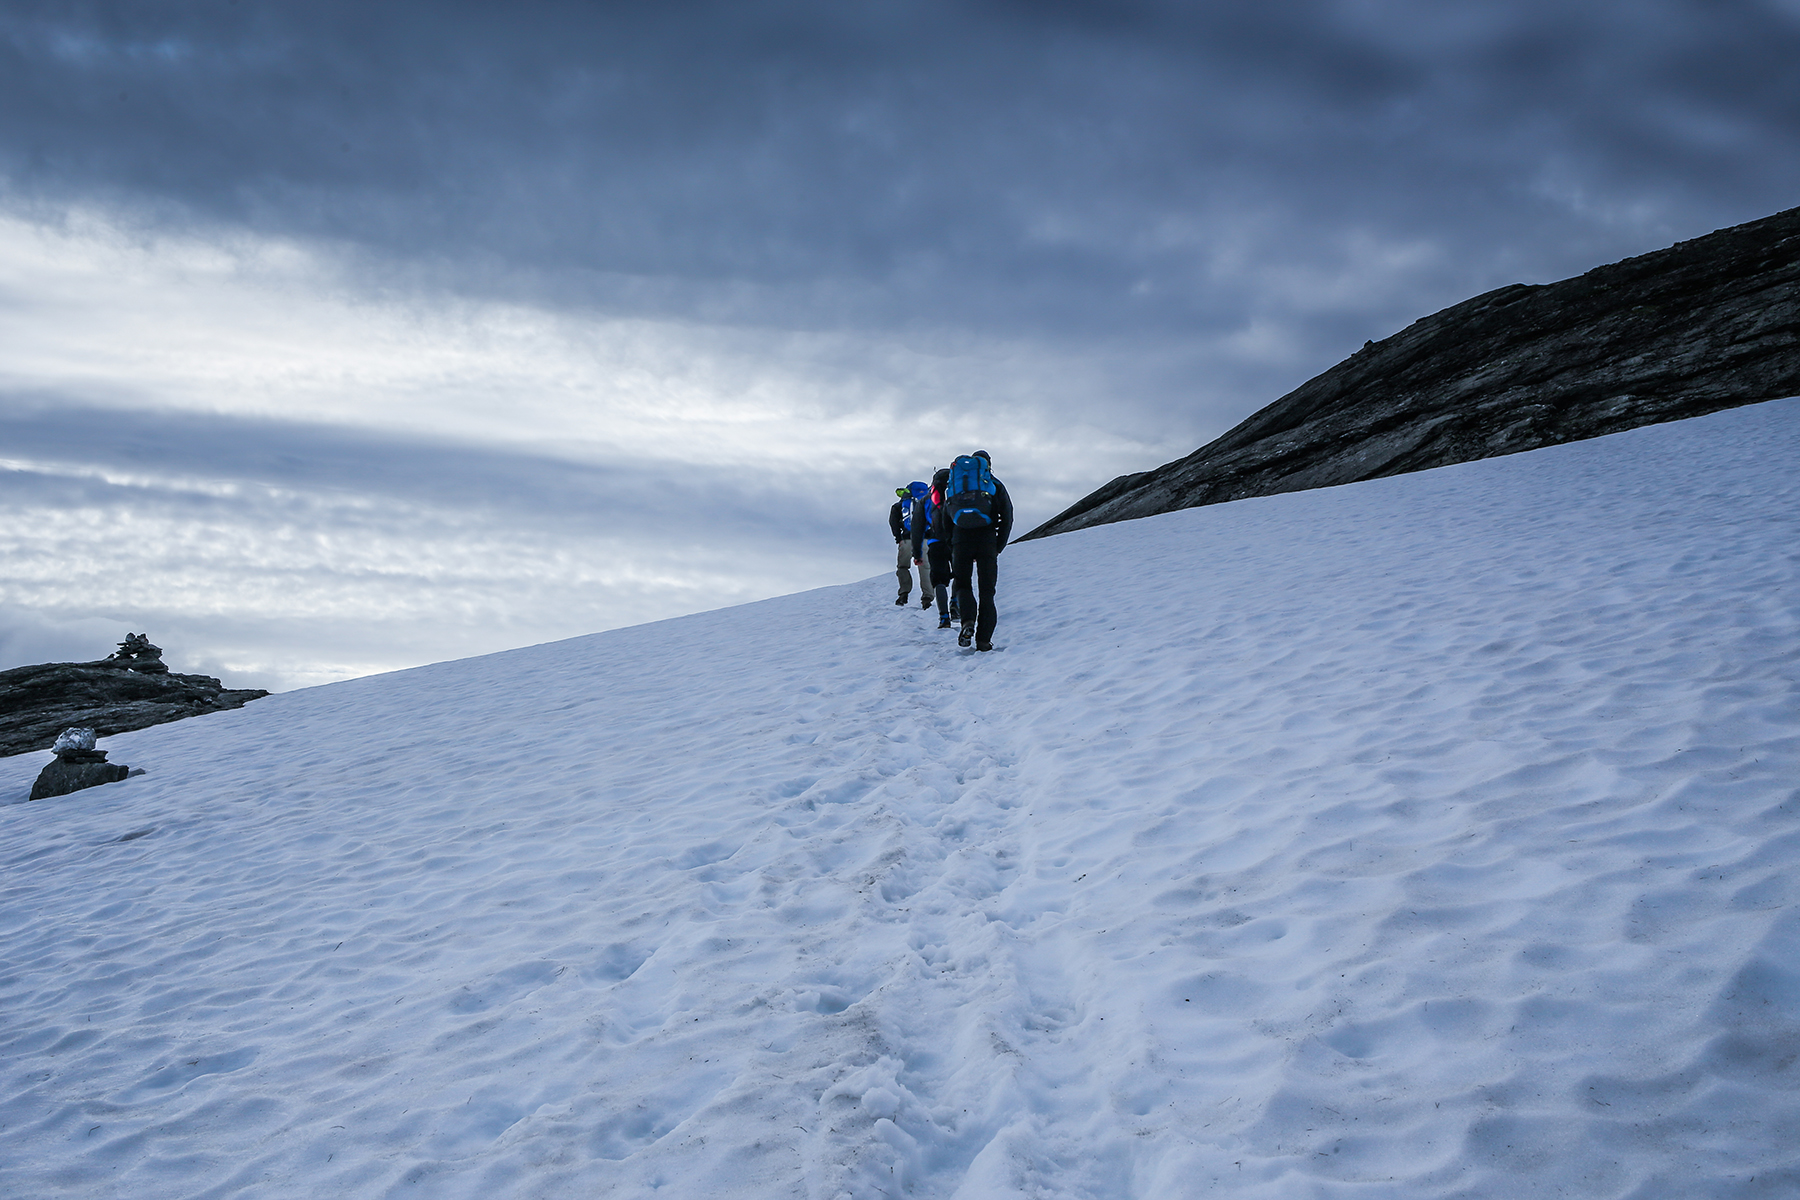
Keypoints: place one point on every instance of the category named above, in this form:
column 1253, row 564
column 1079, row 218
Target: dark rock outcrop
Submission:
column 77, row 765
column 67, row 774
column 1704, row 325
column 114, row 695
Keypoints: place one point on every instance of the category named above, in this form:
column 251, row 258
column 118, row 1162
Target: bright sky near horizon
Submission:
column 335, row 339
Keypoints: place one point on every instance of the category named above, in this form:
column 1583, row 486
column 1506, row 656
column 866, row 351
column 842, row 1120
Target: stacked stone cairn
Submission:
column 77, row 765
column 137, row 653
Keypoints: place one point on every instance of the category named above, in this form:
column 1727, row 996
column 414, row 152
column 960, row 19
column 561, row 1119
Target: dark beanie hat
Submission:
column 984, row 454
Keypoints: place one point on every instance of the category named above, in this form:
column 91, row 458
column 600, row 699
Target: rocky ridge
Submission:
column 1704, row 325
column 129, row 690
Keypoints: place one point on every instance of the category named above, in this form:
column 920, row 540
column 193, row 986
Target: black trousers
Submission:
column 938, row 555
column 976, row 566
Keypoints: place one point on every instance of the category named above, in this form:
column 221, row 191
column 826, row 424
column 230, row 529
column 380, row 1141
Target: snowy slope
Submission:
column 1427, row 837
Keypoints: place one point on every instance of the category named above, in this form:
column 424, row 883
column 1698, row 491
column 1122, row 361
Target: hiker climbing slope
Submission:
column 900, row 524
column 981, row 512
column 931, row 545
column 921, row 517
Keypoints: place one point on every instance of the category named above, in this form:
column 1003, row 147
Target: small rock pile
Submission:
column 138, row 654
column 77, row 765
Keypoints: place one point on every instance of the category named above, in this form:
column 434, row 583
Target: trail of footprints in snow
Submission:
column 928, row 839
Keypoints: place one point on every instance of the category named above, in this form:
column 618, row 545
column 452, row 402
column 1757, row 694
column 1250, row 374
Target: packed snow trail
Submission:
column 1428, row 837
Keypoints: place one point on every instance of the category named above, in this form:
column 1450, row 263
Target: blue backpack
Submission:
column 970, row 493
column 911, row 505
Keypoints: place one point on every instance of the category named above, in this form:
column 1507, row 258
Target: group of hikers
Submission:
column 953, row 530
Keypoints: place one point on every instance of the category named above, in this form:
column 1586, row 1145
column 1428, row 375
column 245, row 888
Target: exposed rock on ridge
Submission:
column 1704, row 325
column 110, row 696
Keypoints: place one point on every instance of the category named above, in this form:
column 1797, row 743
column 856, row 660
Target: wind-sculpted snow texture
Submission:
column 1428, row 837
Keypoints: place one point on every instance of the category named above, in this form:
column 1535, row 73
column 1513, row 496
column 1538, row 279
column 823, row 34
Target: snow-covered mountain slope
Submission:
column 1428, row 837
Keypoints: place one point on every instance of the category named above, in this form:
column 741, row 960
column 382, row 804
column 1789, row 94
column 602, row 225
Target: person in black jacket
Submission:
column 931, row 544
column 898, row 517
column 975, row 553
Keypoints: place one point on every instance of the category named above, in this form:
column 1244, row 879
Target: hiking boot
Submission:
column 943, row 622
column 902, row 598
column 926, row 602
column 965, row 635
column 984, row 645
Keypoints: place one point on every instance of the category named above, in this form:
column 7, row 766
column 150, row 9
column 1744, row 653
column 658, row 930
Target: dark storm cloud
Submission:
column 1062, row 168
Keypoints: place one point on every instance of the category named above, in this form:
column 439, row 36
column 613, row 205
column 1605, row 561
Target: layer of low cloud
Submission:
column 297, row 536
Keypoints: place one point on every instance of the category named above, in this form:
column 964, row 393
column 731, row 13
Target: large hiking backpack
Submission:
column 971, row 493
column 911, row 506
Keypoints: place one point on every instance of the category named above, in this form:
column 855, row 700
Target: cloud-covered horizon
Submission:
column 649, row 307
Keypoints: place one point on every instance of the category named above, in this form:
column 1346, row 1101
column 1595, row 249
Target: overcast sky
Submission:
column 339, row 337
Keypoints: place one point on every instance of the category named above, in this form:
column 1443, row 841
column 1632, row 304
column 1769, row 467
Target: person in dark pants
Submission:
column 931, row 544
column 974, row 562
